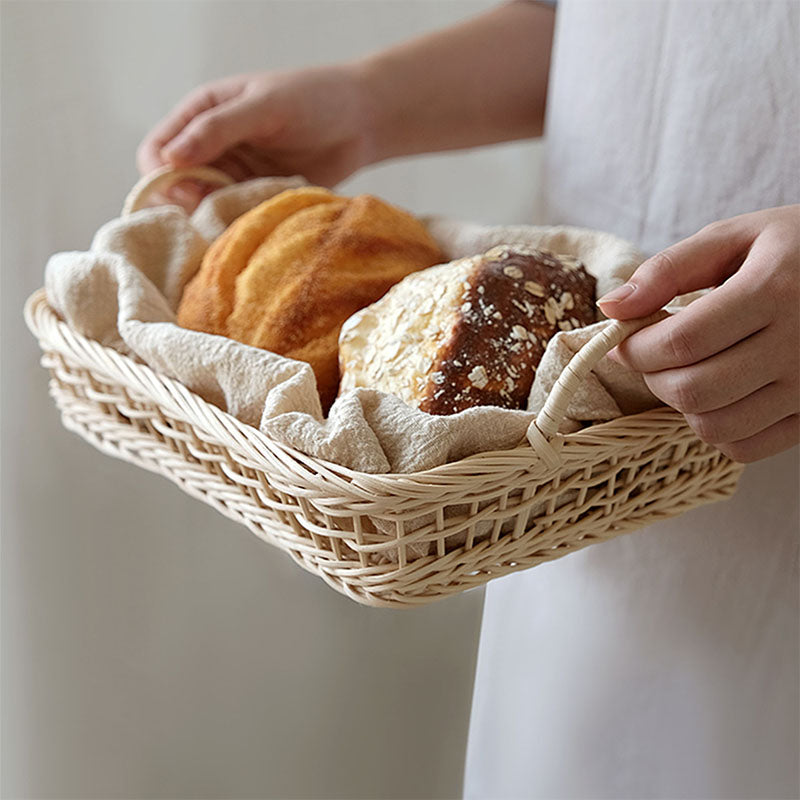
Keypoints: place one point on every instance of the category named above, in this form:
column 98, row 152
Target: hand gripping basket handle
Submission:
column 549, row 419
column 164, row 177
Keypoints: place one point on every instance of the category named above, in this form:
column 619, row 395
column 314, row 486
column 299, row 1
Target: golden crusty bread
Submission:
column 288, row 273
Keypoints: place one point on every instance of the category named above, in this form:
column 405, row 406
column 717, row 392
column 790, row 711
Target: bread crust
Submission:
column 288, row 273
column 483, row 339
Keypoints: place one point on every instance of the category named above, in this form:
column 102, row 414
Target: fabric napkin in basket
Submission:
column 123, row 292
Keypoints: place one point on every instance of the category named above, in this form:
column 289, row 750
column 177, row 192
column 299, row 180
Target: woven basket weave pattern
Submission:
column 388, row 540
column 385, row 540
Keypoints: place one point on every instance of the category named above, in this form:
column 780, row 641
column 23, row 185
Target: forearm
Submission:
column 480, row 82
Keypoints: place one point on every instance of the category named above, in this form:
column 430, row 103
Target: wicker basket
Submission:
column 479, row 518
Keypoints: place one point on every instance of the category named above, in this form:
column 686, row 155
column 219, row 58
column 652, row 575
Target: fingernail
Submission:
column 618, row 295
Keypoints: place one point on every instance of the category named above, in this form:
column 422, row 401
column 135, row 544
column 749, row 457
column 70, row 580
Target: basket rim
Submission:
column 42, row 319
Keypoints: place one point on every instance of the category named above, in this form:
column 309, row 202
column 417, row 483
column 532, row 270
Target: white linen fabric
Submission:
column 664, row 663
column 124, row 290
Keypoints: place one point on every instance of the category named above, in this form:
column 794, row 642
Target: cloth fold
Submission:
column 124, row 290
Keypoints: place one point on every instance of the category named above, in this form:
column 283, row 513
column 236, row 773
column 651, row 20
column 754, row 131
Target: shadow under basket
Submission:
column 392, row 539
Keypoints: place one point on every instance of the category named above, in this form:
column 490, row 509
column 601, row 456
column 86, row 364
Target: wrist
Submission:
column 370, row 109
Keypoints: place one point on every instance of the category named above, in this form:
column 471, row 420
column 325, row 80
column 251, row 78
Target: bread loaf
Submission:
column 288, row 273
column 468, row 333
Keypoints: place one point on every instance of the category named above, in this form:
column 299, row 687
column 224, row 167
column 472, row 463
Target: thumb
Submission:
column 699, row 262
column 210, row 134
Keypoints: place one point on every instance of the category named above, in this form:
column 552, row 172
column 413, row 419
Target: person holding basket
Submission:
column 663, row 664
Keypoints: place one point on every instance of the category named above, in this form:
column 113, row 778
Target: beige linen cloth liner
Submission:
column 124, row 290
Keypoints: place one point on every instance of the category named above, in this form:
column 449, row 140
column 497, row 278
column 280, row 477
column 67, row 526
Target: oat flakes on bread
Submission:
column 468, row 333
column 286, row 274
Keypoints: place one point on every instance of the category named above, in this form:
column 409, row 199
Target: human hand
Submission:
column 418, row 96
column 308, row 122
column 730, row 361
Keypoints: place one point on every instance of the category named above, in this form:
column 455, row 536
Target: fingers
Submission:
column 775, row 439
column 209, row 135
column 722, row 379
column 241, row 162
column 188, row 193
column 745, row 418
column 746, row 426
column 149, row 155
column 743, row 400
column 245, row 161
column 701, row 261
column 709, row 325
column 744, row 304
column 728, row 361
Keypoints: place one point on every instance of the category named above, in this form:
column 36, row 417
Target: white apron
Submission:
column 663, row 663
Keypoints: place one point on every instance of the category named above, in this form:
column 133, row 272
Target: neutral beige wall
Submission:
column 150, row 647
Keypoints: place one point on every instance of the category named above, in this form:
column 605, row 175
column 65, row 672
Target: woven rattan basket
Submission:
column 477, row 519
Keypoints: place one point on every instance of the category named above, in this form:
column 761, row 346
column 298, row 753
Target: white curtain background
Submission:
column 150, row 647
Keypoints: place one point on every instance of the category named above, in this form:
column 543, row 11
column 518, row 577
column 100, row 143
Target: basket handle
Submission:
column 164, row 177
column 549, row 419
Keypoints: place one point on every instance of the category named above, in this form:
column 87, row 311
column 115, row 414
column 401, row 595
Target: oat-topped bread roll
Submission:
column 468, row 333
column 288, row 273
